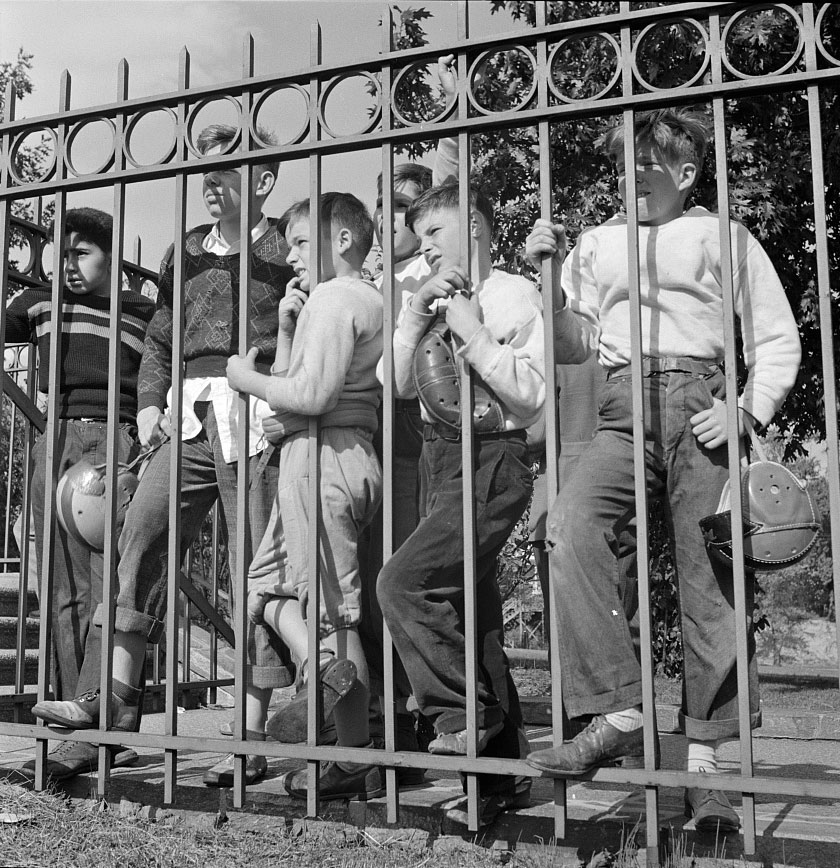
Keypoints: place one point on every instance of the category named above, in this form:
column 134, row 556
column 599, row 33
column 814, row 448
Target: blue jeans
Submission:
column 600, row 670
column 421, row 588
column 77, row 570
column 142, row 573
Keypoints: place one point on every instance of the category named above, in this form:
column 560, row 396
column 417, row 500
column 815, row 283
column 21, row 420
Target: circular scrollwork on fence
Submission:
column 686, row 45
column 86, row 137
column 147, row 127
column 214, row 108
column 272, row 111
column 413, row 99
column 577, row 68
column 33, row 161
column 520, row 71
column 787, row 35
column 828, row 32
column 24, row 250
column 338, row 87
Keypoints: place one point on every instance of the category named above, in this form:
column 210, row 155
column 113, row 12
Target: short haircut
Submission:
column 216, row 135
column 445, row 197
column 407, row 173
column 343, row 210
column 680, row 134
column 92, row 225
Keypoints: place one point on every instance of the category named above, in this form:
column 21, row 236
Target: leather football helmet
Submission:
column 435, row 375
column 80, row 501
column 780, row 519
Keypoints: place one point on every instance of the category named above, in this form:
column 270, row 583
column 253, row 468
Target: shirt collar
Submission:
column 214, row 243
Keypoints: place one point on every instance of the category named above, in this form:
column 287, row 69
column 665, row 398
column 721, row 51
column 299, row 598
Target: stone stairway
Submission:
column 9, row 596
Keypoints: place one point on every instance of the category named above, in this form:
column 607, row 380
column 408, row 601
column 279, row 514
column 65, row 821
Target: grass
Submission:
column 50, row 830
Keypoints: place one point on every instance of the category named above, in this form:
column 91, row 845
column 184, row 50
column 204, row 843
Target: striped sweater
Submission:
column 84, row 347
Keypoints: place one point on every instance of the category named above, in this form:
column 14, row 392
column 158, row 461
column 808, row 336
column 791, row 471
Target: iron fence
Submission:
column 811, row 68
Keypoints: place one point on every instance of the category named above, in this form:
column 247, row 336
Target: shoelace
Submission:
column 64, row 748
column 87, row 697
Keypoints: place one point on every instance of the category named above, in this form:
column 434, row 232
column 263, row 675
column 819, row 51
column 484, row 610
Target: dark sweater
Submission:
column 211, row 312
column 84, row 347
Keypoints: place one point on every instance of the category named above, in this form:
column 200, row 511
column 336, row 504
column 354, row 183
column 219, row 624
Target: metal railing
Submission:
column 811, row 68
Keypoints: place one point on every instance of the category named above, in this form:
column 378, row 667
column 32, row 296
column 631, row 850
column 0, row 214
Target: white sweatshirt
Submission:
column 682, row 302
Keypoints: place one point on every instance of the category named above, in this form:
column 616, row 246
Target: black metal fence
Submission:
column 811, row 68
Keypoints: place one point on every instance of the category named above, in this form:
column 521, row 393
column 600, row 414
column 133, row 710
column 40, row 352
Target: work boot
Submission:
column 221, row 774
column 289, row 724
column 711, row 811
column 345, row 781
column 71, row 758
column 598, row 745
column 83, row 712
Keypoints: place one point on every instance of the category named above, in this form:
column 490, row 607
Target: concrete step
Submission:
column 9, row 631
column 9, row 592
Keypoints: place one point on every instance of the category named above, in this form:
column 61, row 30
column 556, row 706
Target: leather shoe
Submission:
column 71, row 758
column 338, row 678
column 83, row 712
column 455, row 743
column 221, row 774
column 711, row 811
column 598, row 745
column 353, row 781
column 489, row 807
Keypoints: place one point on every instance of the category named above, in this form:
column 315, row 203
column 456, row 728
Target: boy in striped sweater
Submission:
column 82, row 430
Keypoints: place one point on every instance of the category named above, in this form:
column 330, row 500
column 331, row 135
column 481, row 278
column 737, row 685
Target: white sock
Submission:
column 702, row 757
column 627, row 720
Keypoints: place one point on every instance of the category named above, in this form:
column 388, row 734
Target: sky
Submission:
column 90, row 37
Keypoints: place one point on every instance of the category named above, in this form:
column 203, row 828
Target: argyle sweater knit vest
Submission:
column 84, row 374
column 211, row 312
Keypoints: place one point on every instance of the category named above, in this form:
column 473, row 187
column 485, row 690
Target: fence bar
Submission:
column 112, row 457
column 315, row 709
column 826, row 313
column 177, row 405
column 552, row 431
column 51, row 435
column 389, row 303
column 733, row 444
column 639, row 462
column 239, row 570
column 468, row 447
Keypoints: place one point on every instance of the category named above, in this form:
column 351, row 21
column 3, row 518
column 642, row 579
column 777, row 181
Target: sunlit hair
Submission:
column 446, row 198
column 216, row 135
column 92, row 225
column 407, row 173
column 342, row 211
column 680, row 134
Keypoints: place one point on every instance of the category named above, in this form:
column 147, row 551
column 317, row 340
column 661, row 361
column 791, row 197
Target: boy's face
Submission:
column 222, row 190
column 662, row 185
column 87, row 267
column 405, row 241
column 439, row 232
column 297, row 237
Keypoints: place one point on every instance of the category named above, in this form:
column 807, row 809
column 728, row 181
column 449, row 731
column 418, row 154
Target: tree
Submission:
column 30, row 159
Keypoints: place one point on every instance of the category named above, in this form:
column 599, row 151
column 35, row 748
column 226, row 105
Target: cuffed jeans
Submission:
column 142, row 573
column 421, row 588
column 600, row 670
column 77, row 570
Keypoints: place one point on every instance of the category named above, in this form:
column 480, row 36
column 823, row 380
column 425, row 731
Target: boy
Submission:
column 208, row 427
column 421, row 589
column 82, row 430
column 328, row 345
column 686, row 435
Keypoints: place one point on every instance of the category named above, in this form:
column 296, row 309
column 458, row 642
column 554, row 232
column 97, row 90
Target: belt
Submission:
column 439, row 432
column 663, row 364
